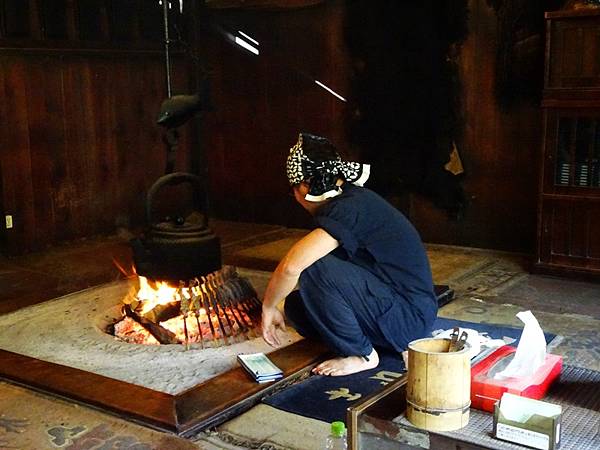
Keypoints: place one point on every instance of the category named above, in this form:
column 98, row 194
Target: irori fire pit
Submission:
column 213, row 310
column 61, row 347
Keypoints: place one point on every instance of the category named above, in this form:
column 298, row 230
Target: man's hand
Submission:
column 271, row 320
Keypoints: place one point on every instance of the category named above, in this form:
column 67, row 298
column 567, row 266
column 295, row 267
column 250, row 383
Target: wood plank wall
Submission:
column 80, row 144
column 263, row 102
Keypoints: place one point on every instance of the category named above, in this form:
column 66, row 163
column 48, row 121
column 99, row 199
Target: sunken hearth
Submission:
column 218, row 309
column 61, row 346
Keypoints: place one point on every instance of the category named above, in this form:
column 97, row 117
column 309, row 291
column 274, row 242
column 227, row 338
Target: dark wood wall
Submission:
column 262, row 103
column 500, row 150
column 79, row 99
column 80, row 145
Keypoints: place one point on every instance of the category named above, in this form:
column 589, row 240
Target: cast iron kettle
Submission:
column 178, row 248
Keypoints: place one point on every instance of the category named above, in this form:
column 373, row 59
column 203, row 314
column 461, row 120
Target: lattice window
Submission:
column 578, row 152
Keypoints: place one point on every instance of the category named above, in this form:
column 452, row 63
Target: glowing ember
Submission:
column 200, row 330
column 130, row 331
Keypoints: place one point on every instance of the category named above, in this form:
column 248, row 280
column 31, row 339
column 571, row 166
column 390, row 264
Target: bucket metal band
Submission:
column 438, row 411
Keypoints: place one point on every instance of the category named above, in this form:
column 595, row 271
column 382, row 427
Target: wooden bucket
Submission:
column 438, row 392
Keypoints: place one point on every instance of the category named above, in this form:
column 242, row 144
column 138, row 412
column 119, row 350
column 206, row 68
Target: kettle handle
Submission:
column 172, row 179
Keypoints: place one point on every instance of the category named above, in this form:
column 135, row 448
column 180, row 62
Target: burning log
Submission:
column 162, row 313
column 160, row 334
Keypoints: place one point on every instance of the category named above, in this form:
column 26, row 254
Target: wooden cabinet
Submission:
column 569, row 203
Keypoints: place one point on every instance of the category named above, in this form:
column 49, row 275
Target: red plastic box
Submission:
column 486, row 391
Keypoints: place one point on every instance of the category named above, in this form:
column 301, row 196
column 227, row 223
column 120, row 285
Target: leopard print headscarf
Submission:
column 322, row 175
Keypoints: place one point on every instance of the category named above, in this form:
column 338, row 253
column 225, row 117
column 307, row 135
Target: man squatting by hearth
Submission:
column 363, row 273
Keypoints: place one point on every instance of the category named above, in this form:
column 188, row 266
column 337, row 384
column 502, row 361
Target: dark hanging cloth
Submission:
column 404, row 99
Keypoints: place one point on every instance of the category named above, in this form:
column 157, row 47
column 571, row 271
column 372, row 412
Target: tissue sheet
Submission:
column 531, row 351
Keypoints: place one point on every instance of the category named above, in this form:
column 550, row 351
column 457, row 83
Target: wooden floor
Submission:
column 566, row 308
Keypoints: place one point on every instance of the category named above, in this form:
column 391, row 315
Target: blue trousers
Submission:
column 351, row 310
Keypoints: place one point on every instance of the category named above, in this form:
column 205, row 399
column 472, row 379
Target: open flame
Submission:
column 158, row 293
column 209, row 310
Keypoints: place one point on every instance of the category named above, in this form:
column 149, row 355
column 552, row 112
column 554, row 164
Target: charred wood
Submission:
column 160, row 334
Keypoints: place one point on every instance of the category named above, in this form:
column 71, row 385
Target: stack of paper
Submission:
column 260, row 367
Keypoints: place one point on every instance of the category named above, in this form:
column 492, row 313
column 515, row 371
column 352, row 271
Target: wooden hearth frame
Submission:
column 200, row 407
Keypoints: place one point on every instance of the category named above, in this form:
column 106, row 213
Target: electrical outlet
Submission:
column 9, row 222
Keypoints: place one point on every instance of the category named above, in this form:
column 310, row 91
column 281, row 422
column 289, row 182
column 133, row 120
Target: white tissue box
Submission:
column 528, row 422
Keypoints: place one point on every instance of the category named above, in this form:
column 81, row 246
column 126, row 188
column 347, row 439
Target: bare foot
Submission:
column 345, row 366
